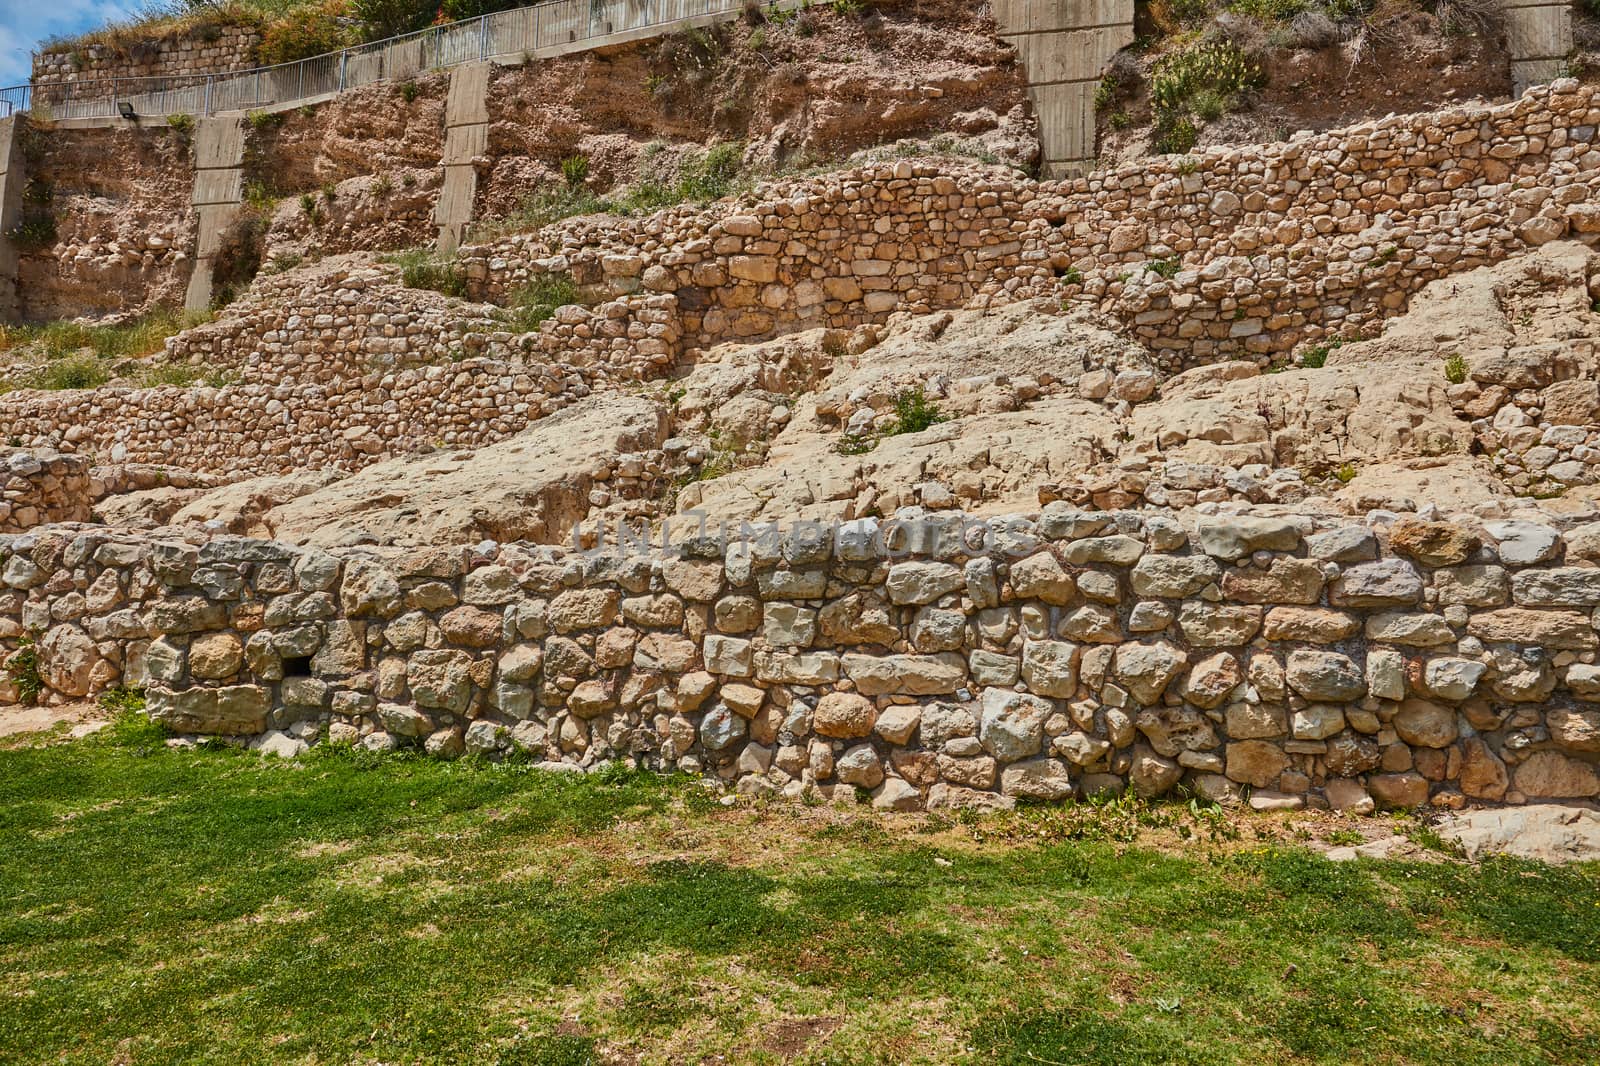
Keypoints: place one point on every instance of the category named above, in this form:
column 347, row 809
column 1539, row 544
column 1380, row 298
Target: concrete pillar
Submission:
column 1539, row 38
column 1063, row 46
column 218, row 189
column 13, row 175
column 466, row 136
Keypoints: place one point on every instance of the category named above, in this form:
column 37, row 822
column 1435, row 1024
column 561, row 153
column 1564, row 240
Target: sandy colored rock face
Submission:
column 533, row 487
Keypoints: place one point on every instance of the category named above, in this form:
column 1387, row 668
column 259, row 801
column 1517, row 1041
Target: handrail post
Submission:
column 483, row 37
column 344, row 58
column 209, row 79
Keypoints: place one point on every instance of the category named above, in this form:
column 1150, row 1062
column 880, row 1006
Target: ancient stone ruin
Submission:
column 1264, row 472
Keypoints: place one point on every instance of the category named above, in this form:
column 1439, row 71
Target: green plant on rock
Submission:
column 35, row 230
column 538, row 299
column 182, row 124
column 1205, row 79
column 914, row 412
column 421, row 268
column 262, row 121
column 575, row 170
column 1106, row 91
column 22, row 667
column 80, row 372
column 711, row 176
column 122, row 699
column 1455, row 369
column 1269, row 10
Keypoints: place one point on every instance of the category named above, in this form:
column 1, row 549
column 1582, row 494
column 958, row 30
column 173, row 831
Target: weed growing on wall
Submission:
column 914, row 412
column 538, row 300
column 422, row 268
column 22, row 667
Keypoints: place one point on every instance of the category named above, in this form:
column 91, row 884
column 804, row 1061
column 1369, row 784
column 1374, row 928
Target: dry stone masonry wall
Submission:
column 351, row 369
column 37, row 488
column 936, row 661
column 57, row 73
column 1243, row 252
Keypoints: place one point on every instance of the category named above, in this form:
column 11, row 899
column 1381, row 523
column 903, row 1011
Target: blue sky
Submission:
column 24, row 23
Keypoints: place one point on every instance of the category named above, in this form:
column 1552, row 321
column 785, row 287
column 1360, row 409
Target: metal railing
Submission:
column 546, row 29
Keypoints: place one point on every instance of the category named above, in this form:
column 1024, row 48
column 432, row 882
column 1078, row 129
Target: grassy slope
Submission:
column 209, row 907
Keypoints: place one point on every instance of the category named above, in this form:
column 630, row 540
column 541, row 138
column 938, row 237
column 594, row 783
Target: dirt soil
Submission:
column 1406, row 63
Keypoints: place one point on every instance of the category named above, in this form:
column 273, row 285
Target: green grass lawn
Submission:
column 207, row 906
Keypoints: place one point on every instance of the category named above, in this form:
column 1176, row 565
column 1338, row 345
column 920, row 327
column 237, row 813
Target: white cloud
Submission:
column 24, row 23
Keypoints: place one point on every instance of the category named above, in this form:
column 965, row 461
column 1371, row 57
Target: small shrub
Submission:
column 1455, row 369
column 538, row 300
column 306, row 31
column 182, row 124
column 1176, row 136
column 847, row 8
column 420, row 268
column 914, row 412
column 383, row 186
column 575, row 170
column 263, row 121
column 81, row 372
column 313, row 210
column 1106, row 92
column 1316, row 356
column 855, row 444
column 1345, row 473
column 122, row 699
column 409, row 91
column 1204, row 79
column 1270, row 10
column 35, row 230
column 22, row 667
column 711, row 176
column 1166, row 268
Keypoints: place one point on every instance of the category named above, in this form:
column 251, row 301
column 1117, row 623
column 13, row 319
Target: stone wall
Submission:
column 934, row 661
column 347, row 370
column 43, row 487
column 1239, row 252
column 70, row 68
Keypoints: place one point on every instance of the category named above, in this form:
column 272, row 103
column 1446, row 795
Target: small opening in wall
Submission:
column 297, row 666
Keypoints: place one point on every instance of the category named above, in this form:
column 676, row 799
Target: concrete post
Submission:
column 1063, row 46
column 218, row 188
column 1539, row 38
column 466, row 136
column 13, row 175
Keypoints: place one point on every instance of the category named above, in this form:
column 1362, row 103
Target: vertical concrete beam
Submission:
column 1539, row 38
column 13, row 175
column 1063, row 45
column 218, row 189
column 466, row 136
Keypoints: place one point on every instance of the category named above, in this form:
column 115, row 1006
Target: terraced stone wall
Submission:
column 1228, row 253
column 348, row 369
column 40, row 488
column 933, row 662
